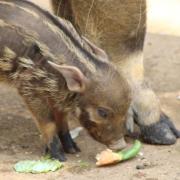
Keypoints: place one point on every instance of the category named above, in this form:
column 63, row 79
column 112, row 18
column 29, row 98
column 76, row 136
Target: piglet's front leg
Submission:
column 68, row 144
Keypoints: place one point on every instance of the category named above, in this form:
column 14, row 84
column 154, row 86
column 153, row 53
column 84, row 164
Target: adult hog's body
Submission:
column 119, row 28
column 57, row 72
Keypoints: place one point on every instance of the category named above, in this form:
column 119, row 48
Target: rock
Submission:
column 140, row 167
column 145, row 165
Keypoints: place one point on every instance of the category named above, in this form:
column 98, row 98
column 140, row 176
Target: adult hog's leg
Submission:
column 68, row 144
column 45, row 122
column 119, row 28
column 161, row 132
column 156, row 128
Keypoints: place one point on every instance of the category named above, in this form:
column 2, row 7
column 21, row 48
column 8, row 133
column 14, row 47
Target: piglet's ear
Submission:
column 96, row 50
column 75, row 79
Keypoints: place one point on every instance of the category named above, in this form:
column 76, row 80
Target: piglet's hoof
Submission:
column 59, row 157
column 68, row 144
column 55, row 149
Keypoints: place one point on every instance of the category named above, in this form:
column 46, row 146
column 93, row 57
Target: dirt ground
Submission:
column 20, row 140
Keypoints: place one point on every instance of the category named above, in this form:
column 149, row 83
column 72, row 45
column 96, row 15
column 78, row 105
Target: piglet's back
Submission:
column 22, row 24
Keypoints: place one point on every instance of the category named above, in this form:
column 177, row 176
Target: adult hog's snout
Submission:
column 103, row 110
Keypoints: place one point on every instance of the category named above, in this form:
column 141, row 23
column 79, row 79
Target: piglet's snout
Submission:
column 118, row 145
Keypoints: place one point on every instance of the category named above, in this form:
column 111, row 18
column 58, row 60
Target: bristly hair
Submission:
column 76, row 43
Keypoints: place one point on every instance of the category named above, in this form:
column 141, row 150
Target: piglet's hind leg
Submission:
column 46, row 124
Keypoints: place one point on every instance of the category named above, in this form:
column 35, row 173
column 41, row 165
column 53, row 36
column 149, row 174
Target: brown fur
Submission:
column 119, row 28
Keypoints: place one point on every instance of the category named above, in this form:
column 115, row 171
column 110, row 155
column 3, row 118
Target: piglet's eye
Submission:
column 103, row 113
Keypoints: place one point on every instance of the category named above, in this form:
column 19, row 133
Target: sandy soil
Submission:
column 20, row 140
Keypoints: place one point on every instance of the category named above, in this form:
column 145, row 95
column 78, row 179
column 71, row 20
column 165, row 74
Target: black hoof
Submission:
column 157, row 134
column 165, row 119
column 59, row 157
column 162, row 132
column 68, row 144
column 55, row 149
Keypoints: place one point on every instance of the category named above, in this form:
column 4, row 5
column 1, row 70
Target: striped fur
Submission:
column 31, row 38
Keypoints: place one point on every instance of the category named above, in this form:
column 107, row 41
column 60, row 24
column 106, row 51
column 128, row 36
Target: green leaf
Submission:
column 40, row 166
column 83, row 164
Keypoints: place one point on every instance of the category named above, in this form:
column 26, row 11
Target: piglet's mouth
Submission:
column 118, row 145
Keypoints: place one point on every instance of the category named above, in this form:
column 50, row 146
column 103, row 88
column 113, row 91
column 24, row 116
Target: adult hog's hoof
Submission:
column 162, row 132
column 165, row 119
column 68, row 144
column 158, row 133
